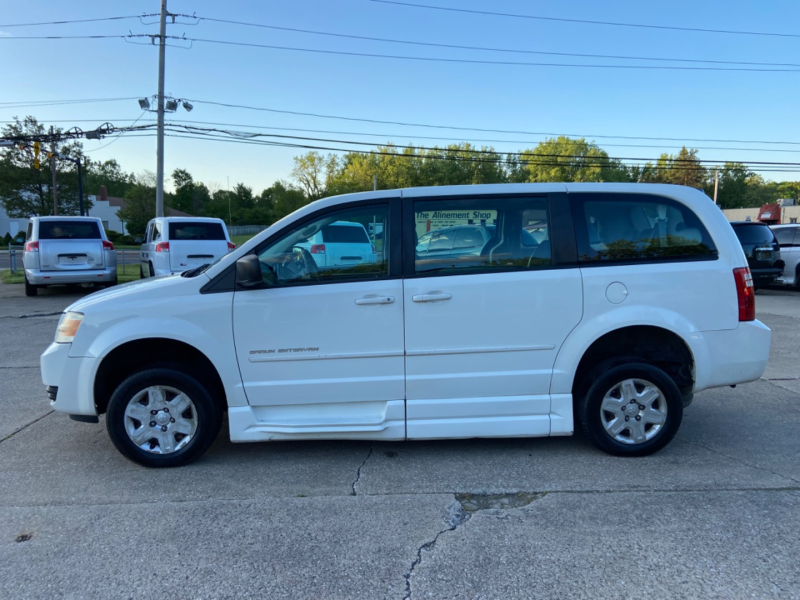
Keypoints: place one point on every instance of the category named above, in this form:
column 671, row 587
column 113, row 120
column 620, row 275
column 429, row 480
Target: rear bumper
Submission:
column 730, row 356
column 72, row 377
column 38, row 277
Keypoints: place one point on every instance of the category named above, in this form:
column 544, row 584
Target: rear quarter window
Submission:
column 638, row 228
column 196, row 231
column 69, row 230
column 754, row 234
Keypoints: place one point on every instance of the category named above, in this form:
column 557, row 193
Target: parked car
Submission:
column 62, row 250
column 788, row 237
column 762, row 251
column 340, row 245
column 463, row 241
column 643, row 299
column 177, row 244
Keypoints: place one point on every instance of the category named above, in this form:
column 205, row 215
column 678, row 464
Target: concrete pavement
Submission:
column 713, row 515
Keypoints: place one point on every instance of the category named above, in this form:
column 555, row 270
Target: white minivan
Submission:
column 629, row 300
column 67, row 250
column 177, row 244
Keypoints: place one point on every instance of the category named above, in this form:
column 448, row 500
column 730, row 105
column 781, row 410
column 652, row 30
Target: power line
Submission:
column 484, row 62
column 589, row 22
column 484, row 130
column 434, row 157
column 121, row 18
column 609, row 160
column 490, row 49
column 38, row 103
column 388, row 136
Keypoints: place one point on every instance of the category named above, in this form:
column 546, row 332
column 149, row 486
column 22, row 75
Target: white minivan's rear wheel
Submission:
column 30, row 290
column 162, row 417
column 633, row 409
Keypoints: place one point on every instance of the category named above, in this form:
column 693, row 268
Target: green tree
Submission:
column 280, row 200
column 732, row 187
column 190, row 197
column 566, row 159
column 683, row 168
column 25, row 190
column 140, row 208
column 108, row 173
column 312, row 171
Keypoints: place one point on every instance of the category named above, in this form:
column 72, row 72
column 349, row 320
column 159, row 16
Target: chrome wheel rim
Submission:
column 160, row 419
column 633, row 411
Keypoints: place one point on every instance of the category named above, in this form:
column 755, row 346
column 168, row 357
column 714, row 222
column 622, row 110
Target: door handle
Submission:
column 431, row 297
column 375, row 300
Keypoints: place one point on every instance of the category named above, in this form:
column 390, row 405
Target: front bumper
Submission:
column 730, row 356
column 72, row 376
column 38, row 277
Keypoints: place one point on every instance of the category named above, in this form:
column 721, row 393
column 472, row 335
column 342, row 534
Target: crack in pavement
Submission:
column 460, row 511
column 455, row 516
column 32, row 315
column 738, row 460
column 12, row 434
column 361, row 466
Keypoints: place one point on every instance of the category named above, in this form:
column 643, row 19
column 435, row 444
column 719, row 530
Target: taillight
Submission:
column 231, row 246
column 32, row 247
column 318, row 249
column 162, row 247
column 107, row 245
column 745, row 292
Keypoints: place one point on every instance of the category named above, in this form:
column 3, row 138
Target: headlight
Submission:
column 68, row 326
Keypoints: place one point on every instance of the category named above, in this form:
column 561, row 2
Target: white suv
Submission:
column 67, row 250
column 632, row 298
column 177, row 244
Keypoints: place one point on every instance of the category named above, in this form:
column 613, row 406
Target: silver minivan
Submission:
column 62, row 250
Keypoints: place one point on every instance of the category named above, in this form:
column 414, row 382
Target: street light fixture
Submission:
column 144, row 103
column 187, row 106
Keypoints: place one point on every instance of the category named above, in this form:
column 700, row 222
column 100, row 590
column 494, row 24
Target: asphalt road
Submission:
column 714, row 515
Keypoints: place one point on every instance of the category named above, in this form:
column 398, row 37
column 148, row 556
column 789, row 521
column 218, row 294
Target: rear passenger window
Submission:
column 786, row 236
column 481, row 236
column 68, row 230
column 182, row 230
column 639, row 228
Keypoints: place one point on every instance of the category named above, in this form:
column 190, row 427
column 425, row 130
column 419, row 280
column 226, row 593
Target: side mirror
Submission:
column 248, row 271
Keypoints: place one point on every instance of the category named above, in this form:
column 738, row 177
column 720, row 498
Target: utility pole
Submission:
column 160, row 142
column 716, row 184
column 53, row 170
column 375, row 182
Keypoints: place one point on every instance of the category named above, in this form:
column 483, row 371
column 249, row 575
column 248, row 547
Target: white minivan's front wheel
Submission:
column 633, row 409
column 162, row 417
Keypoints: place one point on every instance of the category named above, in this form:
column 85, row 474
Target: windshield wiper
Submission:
column 196, row 271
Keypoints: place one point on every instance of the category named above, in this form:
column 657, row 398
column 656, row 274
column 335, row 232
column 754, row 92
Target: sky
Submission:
column 604, row 105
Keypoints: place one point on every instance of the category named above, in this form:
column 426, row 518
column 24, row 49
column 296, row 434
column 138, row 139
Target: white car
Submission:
column 788, row 237
column 340, row 245
column 177, row 244
column 637, row 297
column 67, row 250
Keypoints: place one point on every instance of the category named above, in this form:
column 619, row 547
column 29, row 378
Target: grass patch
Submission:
column 6, row 276
column 130, row 275
column 241, row 239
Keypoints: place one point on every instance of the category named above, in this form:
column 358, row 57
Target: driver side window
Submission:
column 338, row 246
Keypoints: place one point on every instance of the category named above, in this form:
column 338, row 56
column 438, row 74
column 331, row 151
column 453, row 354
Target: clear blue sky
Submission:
column 591, row 102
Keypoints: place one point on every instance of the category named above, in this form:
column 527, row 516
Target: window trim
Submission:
column 394, row 238
column 563, row 251
column 579, row 199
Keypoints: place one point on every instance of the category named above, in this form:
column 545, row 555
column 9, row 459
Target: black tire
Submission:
column 141, row 272
column 590, row 414
column 30, row 290
column 797, row 278
column 112, row 283
column 209, row 417
column 152, row 271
